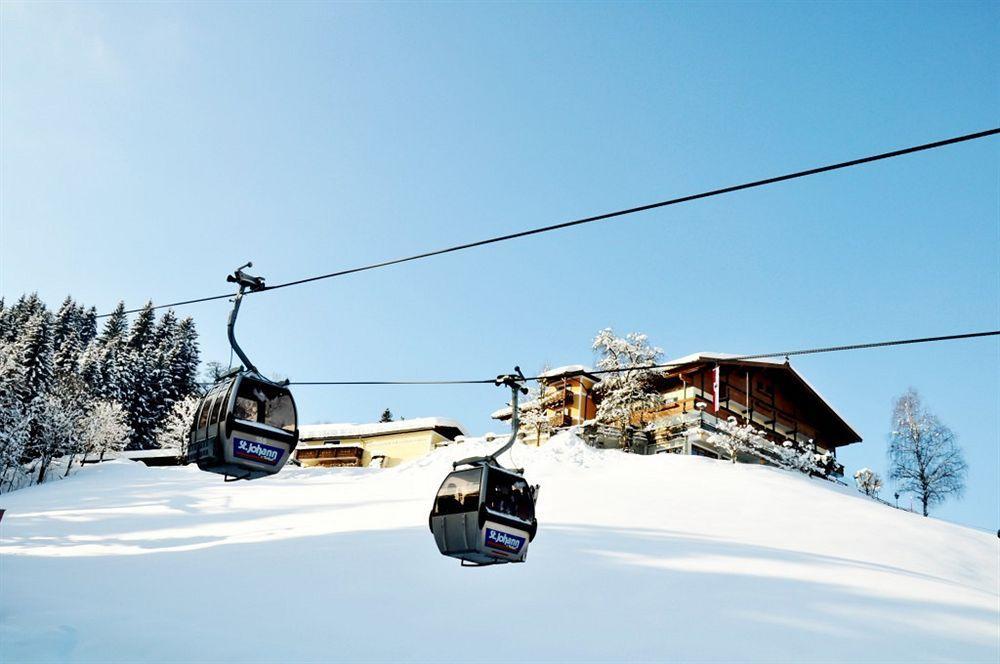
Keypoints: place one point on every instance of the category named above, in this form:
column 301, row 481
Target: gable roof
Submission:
column 729, row 358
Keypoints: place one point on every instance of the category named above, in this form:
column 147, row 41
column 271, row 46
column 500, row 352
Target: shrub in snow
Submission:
column 104, row 429
column 868, row 481
column 173, row 431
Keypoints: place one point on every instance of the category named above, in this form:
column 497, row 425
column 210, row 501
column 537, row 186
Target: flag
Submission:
column 715, row 389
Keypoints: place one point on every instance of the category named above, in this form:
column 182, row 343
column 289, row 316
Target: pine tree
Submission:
column 182, row 361
column 143, row 377
column 111, row 346
column 6, row 324
column 386, row 416
column 15, row 425
column 26, row 307
column 66, row 338
column 88, row 325
column 34, row 355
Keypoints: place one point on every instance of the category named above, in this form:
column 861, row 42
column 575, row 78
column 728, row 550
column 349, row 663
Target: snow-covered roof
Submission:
column 695, row 357
column 135, row 454
column 562, row 371
column 702, row 356
column 347, row 430
column 149, row 454
column 332, row 445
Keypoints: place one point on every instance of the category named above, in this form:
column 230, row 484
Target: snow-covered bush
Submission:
column 104, row 429
column 868, row 481
column 733, row 438
column 173, row 431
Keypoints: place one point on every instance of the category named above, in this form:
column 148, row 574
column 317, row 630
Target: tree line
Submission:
column 68, row 388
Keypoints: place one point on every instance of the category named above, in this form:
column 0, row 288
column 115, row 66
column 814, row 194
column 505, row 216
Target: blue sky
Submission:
column 148, row 149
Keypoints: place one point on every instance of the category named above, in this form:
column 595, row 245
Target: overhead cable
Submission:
column 601, row 217
column 671, row 365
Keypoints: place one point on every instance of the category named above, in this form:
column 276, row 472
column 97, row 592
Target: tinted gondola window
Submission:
column 510, row 495
column 206, row 405
column 279, row 412
column 217, row 407
column 459, row 493
column 246, row 406
column 265, row 404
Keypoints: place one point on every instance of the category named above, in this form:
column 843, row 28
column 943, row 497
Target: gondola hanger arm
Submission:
column 515, row 382
column 246, row 282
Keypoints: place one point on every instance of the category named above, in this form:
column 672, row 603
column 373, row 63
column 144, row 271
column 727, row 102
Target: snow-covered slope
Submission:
column 637, row 558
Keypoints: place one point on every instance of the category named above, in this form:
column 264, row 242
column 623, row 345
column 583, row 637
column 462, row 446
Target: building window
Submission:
column 700, row 451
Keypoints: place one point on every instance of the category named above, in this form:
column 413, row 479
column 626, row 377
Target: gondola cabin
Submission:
column 244, row 428
column 484, row 515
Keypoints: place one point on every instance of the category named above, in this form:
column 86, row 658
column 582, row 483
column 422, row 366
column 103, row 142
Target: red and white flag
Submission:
column 715, row 390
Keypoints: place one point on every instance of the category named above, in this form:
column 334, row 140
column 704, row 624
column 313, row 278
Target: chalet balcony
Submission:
column 682, row 433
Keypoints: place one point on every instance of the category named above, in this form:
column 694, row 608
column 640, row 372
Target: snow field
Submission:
column 637, row 558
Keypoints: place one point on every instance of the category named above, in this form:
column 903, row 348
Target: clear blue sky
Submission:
column 148, row 149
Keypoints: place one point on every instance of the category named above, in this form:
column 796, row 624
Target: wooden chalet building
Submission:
column 770, row 394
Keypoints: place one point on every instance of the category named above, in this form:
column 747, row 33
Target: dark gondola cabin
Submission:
column 484, row 515
column 244, row 428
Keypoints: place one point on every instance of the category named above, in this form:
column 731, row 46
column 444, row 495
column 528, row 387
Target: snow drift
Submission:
column 637, row 558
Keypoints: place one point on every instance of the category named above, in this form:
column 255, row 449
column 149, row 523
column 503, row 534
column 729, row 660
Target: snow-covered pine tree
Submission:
column 67, row 339
column 87, row 325
column 182, row 360
column 6, row 326
column 15, row 428
column 15, row 425
column 111, row 345
column 628, row 391
column 144, row 379
column 34, row 355
column 26, row 307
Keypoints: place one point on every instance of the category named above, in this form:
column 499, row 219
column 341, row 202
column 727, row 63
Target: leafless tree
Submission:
column 628, row 391
column 924, row 458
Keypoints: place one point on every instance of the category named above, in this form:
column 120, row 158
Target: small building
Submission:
column 380, row 444
column 167, row 456
column 697, row 392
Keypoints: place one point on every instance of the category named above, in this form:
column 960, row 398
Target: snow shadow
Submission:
column 586, row 594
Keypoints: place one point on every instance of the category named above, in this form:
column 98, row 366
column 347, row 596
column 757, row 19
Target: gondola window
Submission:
column 460, row 493
column 280, row 413
column 510, row 496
